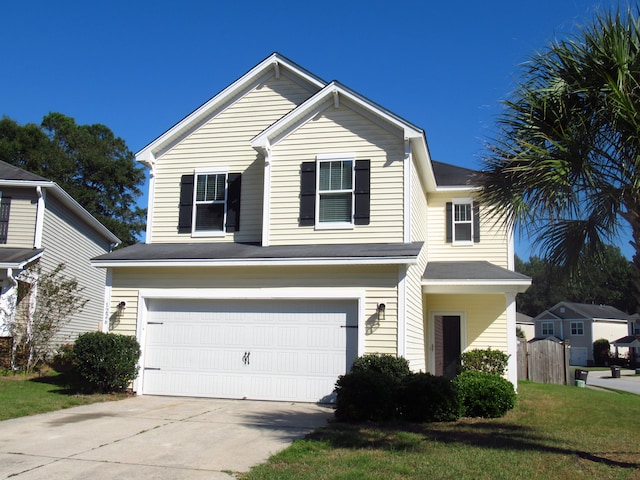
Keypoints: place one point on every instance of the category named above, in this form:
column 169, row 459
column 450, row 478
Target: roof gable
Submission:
column 586, row 310
column 275, row 64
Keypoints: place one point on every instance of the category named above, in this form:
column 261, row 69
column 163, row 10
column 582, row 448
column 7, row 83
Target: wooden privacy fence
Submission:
column 544, row 361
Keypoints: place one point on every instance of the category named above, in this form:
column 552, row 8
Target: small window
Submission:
column 462, row 221
column 636, row 328
column 210, row 197
column 547, row 328
column 577, row 328
column 335, row 191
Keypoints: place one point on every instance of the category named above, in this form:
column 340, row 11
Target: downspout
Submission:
column 512, row 340
column 37, row 239
column 266, row 194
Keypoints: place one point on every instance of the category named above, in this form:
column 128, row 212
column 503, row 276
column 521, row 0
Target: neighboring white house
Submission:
column 40, row 222
column 293, row 225
column 581, row 324
column 631, row 341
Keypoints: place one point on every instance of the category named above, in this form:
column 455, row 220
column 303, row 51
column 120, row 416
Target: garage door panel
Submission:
column 296, row 349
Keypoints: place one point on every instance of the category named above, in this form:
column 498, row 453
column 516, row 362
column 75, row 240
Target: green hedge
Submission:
column 106, row 361
column 484, row 394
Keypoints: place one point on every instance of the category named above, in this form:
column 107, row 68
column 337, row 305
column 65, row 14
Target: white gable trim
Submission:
column 271, row 66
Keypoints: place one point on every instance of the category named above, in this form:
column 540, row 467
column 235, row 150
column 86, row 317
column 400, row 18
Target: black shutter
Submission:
column 307, row 193
column 476, row 222
column 234, row 182
column 186, row 204
column 449, row 222
column 5, row 207
column 362, row 192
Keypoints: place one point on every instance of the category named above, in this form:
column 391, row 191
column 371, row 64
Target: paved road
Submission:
column 628, row 381
column 153, row 437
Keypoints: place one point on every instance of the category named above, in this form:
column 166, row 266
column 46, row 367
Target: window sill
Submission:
column 335, row 226
column 207, row 234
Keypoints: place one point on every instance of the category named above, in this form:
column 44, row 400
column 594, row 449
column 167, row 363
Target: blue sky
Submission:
column 141, row 66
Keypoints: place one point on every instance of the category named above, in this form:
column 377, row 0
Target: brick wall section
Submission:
column 5, row 351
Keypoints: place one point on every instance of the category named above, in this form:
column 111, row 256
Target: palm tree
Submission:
column 565, row 162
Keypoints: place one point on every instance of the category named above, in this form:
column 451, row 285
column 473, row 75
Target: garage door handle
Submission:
column 245, row 358
column 151, row 368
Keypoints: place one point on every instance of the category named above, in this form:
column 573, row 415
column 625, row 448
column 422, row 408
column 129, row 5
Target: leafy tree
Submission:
column 49, row 299
column 565, row 160
column 88, row 161
column 606, row 280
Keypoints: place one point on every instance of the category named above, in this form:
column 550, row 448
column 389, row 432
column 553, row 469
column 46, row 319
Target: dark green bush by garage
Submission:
column 484, row 394
column 429, row 398
column 106, row 361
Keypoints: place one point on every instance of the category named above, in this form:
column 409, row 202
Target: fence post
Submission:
column 567, row 356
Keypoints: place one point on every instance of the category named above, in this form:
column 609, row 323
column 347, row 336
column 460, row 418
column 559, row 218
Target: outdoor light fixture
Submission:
column 380, row 309
column 121, row 306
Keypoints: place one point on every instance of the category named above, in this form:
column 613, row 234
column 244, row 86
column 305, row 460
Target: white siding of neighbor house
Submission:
column 415, row 322
column 22, row 217
column 378, row 281
column 69, row 240
column 485, row 318
column 335, row 131
column 493, row 245
column 224, row 141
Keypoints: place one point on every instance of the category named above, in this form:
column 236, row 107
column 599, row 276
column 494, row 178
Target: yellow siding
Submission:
column 415, row 333
column 379, row 283
column 338, row 130
column 493, row 245
column 67, row 239
column 22, row 217
column 224, row 141
column 485, row 318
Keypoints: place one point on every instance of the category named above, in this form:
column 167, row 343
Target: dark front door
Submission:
column 446, row 344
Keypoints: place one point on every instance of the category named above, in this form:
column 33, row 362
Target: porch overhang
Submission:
column 475, row 277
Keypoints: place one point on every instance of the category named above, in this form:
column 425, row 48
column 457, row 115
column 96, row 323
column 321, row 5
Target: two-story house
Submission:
column 294, row 225
column 40, row 222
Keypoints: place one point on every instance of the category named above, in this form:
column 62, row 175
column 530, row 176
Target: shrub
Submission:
column 106, row 361
column 488, row 361
column 429, row 398
column 388, row 365
column 484, row 394
column 370, row 391
column 363, row 395
column 63, row 360
column 601, row 352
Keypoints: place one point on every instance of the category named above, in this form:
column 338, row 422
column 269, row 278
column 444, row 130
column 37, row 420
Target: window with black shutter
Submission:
column 462, row 221
column 5, row 207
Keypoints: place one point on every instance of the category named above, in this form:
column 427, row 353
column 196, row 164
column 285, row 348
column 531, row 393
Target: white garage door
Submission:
column 578, row 356
column 256, row 349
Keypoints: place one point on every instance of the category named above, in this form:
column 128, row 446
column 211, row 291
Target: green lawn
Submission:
column 554, row 432
column 21, row 396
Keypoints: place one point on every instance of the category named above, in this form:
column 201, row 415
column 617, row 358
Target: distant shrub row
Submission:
column 381, row 387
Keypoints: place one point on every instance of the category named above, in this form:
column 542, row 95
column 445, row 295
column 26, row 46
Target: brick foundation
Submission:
column 5, row 351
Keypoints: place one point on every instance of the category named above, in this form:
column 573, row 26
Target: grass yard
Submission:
column 554, row 432
column 21, row 395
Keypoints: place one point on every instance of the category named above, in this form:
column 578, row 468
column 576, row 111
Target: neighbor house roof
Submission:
column 572, row 310
column 472, row 277
column 18, row 257
column 628, row 341
column 225, row 254
column 12, row 176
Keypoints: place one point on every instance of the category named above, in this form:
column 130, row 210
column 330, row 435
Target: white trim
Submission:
column 457, row 189
column 108, row 285
column 402, row 311
column 407, row 168
column 144, row 295
column 150, row 200
column 477, row 286
column 511, row 249
column 256, row 263
column 512, row 340
column 37, row 238
column 463, row 333
column 266, row 196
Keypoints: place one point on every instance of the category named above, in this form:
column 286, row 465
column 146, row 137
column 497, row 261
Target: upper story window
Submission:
column 577, row 328
column 636, row 328
column 335, row 192
column 547, row 328
column 210, row 202
column 462, row 221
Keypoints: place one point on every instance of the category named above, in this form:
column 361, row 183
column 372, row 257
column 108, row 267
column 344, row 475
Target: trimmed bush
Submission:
column 106, row 361
column 489, row 361
column 363, row 395
column 601, row 352
column 388, row 365
column 429, row 398
column 484, row 394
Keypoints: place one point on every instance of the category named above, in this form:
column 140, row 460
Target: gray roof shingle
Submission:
column 11, row 172
column 479, row 270
column 448, row 175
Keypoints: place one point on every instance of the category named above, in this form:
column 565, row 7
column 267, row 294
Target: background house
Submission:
column 40, row 222
column 581, row 324
column 526, row 324
column 294, row 225
column 630, row 342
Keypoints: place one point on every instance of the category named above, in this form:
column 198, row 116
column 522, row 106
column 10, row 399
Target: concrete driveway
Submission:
column 153, row 437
